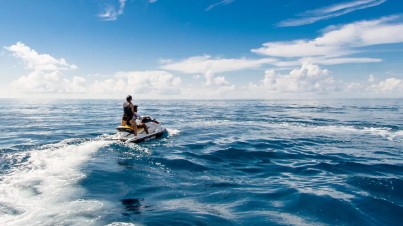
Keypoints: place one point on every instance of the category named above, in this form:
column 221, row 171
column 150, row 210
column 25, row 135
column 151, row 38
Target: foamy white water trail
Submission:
column 384, row 132
column 44, row 190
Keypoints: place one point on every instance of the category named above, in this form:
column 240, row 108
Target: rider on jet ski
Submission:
column 130, row 115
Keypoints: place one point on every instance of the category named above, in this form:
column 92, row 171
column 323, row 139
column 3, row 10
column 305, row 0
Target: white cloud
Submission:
column 312, row 16
column 372, row 87
column 111, row 12
column 389, row 85
column 300, row 48
column 222, row 2
column 339, row 41
column 145, row 83
column 341, row 60
column 217, row 81
column 364, row 33
column 209, row 66
column 203, row 64
column 38, row 62
column 371, row 78
column 355, row 87
column 49, row 82
column 45, row 74
column 308, row 78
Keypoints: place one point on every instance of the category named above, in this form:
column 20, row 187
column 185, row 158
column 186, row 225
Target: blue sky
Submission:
column 201, row 49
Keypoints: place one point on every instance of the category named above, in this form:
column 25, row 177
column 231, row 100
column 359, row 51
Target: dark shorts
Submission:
column 126, row 118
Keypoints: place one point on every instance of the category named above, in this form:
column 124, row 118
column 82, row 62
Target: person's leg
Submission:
column 134, row 126
column 125, row 119
column 145, row 127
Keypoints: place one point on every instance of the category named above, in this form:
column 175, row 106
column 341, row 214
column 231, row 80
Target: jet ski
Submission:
column 153, row 127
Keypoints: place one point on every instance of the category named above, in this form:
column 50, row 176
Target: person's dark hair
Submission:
column 129, row 98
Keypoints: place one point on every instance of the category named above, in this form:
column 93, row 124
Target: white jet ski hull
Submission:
column 125, row 134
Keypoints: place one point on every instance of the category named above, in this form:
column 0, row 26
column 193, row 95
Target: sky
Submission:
column 201, row 49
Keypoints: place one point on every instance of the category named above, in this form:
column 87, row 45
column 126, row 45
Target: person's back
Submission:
column 128, row 113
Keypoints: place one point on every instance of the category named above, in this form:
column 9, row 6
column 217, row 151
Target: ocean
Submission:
column 222, row 162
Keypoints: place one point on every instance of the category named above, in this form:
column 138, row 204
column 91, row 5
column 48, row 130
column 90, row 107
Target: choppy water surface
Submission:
column 319, row 162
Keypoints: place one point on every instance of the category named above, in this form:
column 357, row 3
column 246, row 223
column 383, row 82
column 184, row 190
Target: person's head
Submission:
column 129, row 98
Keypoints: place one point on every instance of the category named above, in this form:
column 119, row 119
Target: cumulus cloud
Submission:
column 389, row 85
column 339, row 41
column 373, row 87
column 49, row 82
column 218, row 81
column 308, row 78
column 209, row 66
column 312, row 16
column 111, row 12
column 38, row 62
column 222, row 2
column 139, row 82
column 45, row 74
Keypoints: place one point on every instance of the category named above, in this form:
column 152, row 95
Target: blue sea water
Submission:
column 294, row 162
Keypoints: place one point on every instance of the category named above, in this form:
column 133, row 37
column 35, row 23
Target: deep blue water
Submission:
column 316, row 162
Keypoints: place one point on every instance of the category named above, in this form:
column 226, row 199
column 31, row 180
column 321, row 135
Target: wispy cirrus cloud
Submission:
column 223, row 2
column 312, row 16
column 339, row 41
column 203, row 64
column 111, row 12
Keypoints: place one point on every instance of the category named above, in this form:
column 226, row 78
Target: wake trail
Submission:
column 43, row 189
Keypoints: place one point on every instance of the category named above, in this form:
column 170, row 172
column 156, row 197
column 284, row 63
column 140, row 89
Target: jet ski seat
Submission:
column 129, row 129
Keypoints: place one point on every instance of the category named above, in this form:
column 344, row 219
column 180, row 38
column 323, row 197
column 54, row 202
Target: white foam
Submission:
column 283, row 218
column 384, row 132
column 223, row 210
column 121, row 224
column 173, row 132
column 43, row 190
